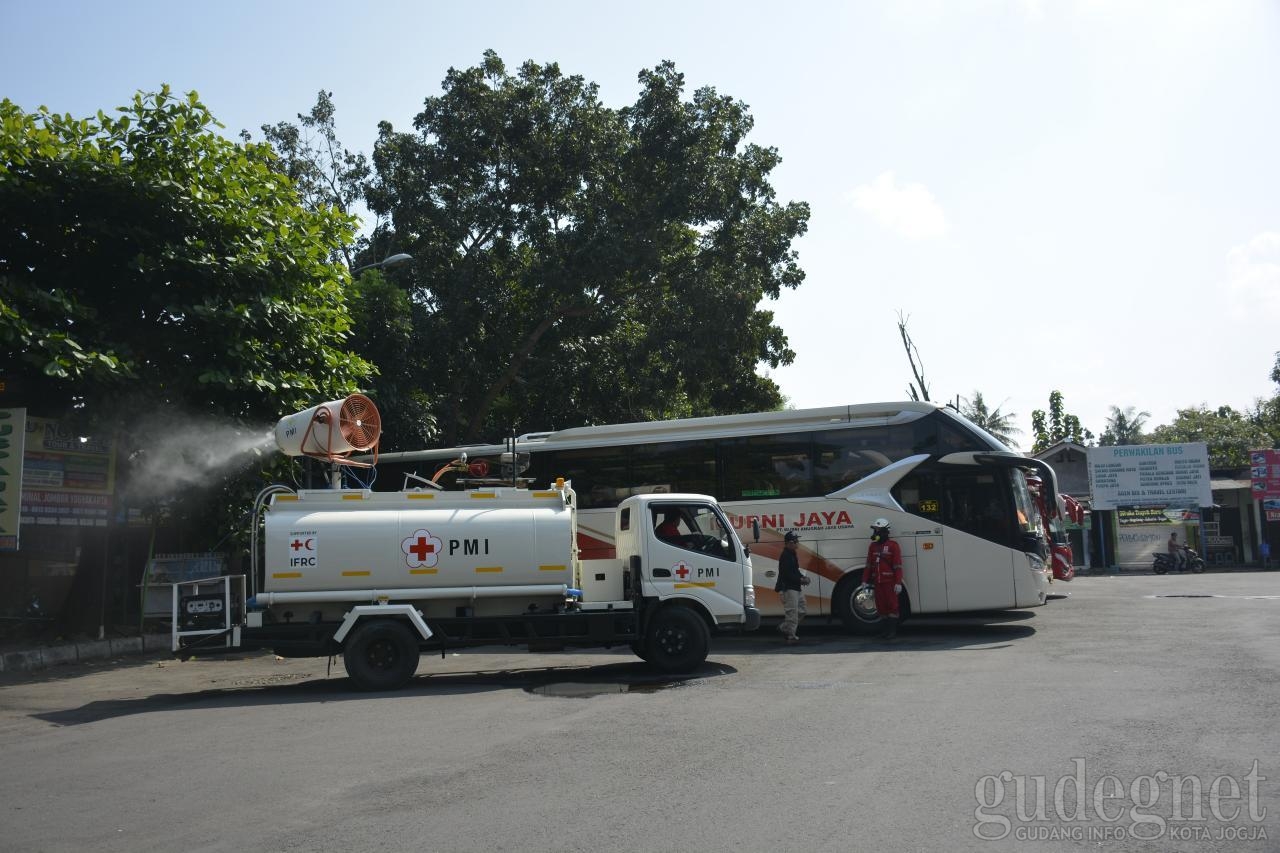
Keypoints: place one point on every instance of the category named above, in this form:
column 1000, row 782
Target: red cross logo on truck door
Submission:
column 420, row 548
column 682, row 570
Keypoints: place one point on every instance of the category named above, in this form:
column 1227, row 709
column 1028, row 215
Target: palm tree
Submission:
column 1124, row 427
column 994, row 421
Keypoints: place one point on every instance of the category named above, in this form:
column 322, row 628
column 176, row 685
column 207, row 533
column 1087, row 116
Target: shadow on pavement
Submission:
column 971, row 632
column 567, row 681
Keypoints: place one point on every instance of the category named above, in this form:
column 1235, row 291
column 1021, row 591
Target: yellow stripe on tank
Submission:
column 552, row 568
column 285, row 575
column 356, row 573
column 488, row 568
column 706, row 585
column 423, row 571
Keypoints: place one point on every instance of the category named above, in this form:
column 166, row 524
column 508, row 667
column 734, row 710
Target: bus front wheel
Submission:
column 856, row 606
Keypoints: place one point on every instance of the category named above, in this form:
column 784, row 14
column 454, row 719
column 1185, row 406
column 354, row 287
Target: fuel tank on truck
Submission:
column 338, row 540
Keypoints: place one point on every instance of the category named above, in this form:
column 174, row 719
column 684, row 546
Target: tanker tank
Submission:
column 329, row 540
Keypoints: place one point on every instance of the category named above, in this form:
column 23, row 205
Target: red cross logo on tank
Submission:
column 421, row 549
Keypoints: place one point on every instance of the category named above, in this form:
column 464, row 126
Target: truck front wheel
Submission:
column 678, row 640
column 381, row 655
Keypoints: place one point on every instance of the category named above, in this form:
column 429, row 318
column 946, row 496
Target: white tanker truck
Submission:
column 380, row 577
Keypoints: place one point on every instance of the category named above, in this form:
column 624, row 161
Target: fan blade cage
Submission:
column 359, row 422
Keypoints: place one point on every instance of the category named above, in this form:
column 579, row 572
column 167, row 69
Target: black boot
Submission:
column 891, row 628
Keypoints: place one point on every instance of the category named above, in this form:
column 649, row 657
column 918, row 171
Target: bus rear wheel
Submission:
column 856, row 607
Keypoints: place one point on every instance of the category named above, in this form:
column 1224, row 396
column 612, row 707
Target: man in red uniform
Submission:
column 884, row 575
column 668, row 529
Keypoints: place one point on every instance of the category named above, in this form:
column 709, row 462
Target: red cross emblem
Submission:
column 682, row 570
column 295, row 544
column 422, row 548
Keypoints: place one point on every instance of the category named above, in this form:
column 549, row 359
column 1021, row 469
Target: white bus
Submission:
column 956, row 498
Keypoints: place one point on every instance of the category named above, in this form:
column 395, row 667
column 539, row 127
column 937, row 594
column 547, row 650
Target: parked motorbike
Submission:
column 1164, row 562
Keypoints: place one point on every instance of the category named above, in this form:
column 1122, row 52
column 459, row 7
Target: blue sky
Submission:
column 1079, row 195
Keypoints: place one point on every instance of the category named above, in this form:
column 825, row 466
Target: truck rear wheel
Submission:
column 677, row 641
column 381, row 655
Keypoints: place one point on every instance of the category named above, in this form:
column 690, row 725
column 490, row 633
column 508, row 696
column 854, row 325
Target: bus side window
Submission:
column 921, row 493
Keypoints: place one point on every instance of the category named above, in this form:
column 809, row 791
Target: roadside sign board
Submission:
column 1264, row 473
column 1150, row 475
column 13, row 432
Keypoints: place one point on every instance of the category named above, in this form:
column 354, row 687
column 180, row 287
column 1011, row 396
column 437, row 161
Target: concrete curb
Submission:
column 31, row 660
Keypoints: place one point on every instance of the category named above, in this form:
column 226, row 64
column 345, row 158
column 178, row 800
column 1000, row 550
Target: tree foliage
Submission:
column 1229, row 434
column 384, row 321
column 146, row 255
column 576, row 263
column 999, row 424
column 149, row 264
column 1267, row 413
column 1057, row 426
column 325, row 173
column 1124, row 426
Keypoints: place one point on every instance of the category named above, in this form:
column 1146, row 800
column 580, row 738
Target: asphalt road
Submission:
column 1141, row 702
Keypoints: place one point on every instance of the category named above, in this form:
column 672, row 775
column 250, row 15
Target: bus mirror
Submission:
column 635, row 566
column 755, row 529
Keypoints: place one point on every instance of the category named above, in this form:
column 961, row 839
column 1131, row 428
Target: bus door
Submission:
column 930, row 588
column 980, row 540
column 920, row 494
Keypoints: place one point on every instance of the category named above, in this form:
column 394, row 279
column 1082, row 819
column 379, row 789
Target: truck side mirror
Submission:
column 635, row 565
column 755, row 529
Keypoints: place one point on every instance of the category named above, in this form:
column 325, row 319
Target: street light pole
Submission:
column 390, row 261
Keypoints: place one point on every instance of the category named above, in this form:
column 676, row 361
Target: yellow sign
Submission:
column 59, row 461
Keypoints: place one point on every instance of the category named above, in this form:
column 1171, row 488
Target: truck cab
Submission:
column 681, row 547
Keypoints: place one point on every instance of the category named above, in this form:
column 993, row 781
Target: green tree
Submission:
column 149, row 264
column 1124, row 426
column 998, row 423
column 384, row 319
column 1058, row 426
column 1267, row 412
column 325, row 173
column 1229, row 434
column 580, row 264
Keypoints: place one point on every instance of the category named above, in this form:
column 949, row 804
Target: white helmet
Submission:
column 880, row 524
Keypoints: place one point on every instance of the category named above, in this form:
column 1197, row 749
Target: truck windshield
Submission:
column 695, row 527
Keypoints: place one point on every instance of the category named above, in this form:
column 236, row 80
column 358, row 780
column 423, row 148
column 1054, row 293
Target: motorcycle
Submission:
column 1163, row 561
